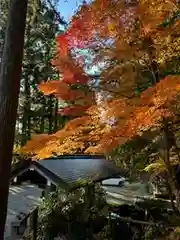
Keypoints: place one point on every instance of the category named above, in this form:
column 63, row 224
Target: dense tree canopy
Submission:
column 136, row 41
column 36, row 113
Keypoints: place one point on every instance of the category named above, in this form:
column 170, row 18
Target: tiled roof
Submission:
column 72, row 169
column 69, row 169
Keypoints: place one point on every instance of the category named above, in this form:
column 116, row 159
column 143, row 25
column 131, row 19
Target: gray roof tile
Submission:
column 73, row 169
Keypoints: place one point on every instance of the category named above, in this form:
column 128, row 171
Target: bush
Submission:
column 80, row 213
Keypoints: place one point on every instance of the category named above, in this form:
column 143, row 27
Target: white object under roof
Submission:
column 22, row 200
column 114, row 181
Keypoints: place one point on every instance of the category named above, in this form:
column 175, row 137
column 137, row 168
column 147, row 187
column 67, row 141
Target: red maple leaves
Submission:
column 73, row 76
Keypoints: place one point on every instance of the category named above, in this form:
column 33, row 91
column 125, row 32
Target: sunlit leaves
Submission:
column 155, row 105
column 72, row 74
column 38, row 143
column 93, row 133
column 53, row 87
column 158, row 166
column 73, row 138
column 132, row 38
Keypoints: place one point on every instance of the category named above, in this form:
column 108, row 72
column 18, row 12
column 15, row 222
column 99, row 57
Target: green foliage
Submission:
column 18, row 158
column 37, row 113
column 130, row 156
column 80, row 213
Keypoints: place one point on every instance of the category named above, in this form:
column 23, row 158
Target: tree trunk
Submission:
column 26, row 121
column 50, row 103
column 42, row 117
column 9, row 91
column 56, row 116
column 27, row 93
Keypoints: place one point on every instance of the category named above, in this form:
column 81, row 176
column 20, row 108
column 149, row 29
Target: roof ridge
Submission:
column 74, row 156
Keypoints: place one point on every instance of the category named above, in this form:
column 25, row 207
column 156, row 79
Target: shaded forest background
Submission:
column 36, row 113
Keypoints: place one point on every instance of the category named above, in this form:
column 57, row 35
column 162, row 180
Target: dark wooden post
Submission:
column 34, row 224
column 10, row 74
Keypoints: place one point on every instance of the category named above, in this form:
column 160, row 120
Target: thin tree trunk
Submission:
column 152, row 59
column 9, row 91
column 42, row 117
column 29, row 125
column 50, row 103
column 56, row 116
column 26, row 122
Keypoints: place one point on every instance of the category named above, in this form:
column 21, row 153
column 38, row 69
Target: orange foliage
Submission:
column 155, row 105
column 134, row 27
column 90, row 135
column 73, row 138
column 137, row 40
column 53, row 87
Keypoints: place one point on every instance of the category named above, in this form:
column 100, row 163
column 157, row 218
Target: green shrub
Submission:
column 80, row 213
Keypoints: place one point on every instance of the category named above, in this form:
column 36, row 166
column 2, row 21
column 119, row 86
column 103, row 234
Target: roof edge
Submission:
column 67, row 156
column 49, row 175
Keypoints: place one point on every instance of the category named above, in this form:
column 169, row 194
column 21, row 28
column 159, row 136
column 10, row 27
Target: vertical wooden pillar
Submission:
column 34, row 219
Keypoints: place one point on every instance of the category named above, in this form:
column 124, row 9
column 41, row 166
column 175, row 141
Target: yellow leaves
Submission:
column 37, row 143
column 158, row 166
column 169, row 47
column 112, row 29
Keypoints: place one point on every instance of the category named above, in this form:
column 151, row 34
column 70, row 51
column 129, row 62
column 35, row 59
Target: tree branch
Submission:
column 58, row 16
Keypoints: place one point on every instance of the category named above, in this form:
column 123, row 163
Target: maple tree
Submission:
column 129, row 35
column 73, row 85
column 91, row 135
column 133, row 38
